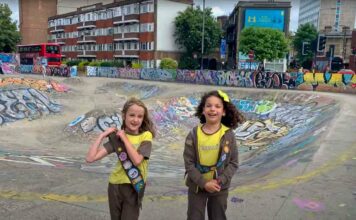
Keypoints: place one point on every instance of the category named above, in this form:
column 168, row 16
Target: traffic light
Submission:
column 321, row 43
column 306, row 49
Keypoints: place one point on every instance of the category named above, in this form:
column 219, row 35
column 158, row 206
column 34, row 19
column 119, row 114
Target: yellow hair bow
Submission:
column 224, row 96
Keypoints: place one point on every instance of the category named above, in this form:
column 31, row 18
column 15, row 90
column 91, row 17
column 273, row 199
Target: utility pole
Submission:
column 202, row 37
column 344, row 45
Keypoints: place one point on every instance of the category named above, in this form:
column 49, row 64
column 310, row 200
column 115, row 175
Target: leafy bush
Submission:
column 94, row 63
column 117, row 63
column 168, row 63
column 137, row 65
column 72, row 62
column 106, row 64
column 83, row 63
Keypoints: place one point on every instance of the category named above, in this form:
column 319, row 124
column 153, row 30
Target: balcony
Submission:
column 85, row 53
column 60, row 41
column 126, row 19
column 127, row 54
column 127, row 39
column 126, row 22
column 86, row 39
column 86, row 25
column 56, row 29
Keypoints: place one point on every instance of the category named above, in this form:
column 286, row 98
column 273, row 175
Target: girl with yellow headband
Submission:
column 211, row 156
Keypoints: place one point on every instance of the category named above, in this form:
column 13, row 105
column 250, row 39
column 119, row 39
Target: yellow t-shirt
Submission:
column 208, row 148
column 118, row 175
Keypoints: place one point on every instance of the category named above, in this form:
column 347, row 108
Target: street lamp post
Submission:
column 202, row 37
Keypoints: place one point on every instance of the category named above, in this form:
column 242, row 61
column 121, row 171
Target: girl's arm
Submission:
column 190, row 160
column 232, row 166
column 96, row 152
column 136, row 157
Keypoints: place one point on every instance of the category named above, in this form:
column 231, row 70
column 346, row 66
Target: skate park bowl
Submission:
column 283, row 132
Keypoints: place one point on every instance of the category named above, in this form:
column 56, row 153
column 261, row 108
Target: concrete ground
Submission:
column 310, row 175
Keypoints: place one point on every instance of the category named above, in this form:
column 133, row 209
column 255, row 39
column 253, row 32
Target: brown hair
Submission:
column 147, row 124
column 232, row 116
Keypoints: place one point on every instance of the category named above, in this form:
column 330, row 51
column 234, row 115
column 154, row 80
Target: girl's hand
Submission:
column 108, row 131
column 121, row 134
column 212, row 186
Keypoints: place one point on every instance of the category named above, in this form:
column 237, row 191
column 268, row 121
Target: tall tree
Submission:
column 305, row 33
column 188, row 32
column 266, row 43
column 9, row 35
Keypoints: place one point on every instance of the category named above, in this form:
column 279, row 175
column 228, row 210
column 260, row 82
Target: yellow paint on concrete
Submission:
column 336, row 79
column 309, row 78
column 353, row 80
column 319, row 78
column 248, row 188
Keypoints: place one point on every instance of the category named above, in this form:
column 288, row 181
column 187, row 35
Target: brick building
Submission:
column 130, row 31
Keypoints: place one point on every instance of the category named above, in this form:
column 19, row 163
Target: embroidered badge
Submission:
column 127, row 165
column 223, row 157
column 133, row 173
column 123, row 156
column 138, row 179
column 139, row 186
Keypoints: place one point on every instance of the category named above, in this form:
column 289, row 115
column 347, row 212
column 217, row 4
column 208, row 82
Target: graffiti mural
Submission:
column 94, row 122
column 158, row 74
column 141, row 91
column 39, row 84
column 25, row 103
column 334, row 82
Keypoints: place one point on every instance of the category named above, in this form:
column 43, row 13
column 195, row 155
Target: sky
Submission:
column 219, row 7
column 14, row 6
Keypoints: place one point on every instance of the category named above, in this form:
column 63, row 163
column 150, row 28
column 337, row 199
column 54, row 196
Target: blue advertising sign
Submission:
column 223, row 49
column 265, row 18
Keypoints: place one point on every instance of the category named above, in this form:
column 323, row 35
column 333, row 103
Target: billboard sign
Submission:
column 265, row 18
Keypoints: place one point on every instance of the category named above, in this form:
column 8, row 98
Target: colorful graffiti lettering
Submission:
column 24, row 103
column 38, row 84
column 336, row 82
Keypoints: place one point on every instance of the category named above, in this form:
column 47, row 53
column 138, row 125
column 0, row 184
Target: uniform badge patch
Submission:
column 133, row 173
column 123, row 156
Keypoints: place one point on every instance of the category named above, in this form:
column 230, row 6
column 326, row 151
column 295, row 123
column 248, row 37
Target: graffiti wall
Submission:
column 48, row 70
column 330, row 82
column 25, row 103
column 39, row 84
column 9, row 63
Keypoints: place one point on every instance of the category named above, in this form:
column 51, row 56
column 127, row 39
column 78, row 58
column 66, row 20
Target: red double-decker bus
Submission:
column 29, row 53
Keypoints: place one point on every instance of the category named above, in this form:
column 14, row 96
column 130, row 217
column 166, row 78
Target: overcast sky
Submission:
column 14, row 6
column 219, row 7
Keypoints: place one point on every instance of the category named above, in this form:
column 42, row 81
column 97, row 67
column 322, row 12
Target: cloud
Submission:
column 217, row 11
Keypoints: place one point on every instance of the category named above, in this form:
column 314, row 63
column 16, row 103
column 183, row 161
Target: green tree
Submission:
column 168, row 63
column 305, row 33
column 9, row 35
column 188, row 32
column 266, row 43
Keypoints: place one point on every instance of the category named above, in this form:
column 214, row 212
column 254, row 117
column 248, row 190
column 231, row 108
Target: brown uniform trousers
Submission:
column 216, row 204
column 123, row 202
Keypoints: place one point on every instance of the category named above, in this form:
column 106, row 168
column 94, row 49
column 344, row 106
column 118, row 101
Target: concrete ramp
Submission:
column 297, row 153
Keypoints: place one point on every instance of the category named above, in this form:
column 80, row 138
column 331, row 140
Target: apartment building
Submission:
column 128, row 30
